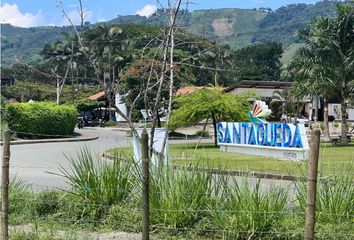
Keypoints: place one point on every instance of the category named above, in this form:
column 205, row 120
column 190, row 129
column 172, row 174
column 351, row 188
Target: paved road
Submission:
column 32, row 162
column 35, row 163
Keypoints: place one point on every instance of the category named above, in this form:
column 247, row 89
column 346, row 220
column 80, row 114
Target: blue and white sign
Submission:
column 282, row 141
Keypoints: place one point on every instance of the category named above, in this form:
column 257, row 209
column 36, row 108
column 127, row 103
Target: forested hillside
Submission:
column 282, row 24
column 235, row 27
column 26, row 43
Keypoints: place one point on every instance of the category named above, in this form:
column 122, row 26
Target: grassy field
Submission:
column 333, row 159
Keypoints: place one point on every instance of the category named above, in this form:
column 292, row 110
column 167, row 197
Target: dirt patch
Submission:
column 29, row 228
column 223, row 26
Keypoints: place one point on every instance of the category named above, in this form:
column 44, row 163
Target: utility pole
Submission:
column 311, row 187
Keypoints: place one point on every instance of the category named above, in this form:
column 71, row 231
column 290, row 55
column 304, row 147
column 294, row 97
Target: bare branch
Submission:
column 60, row 6
column 81, row 13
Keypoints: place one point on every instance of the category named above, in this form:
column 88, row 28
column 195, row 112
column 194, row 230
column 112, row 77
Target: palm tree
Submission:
column 312, row 77
column 335, row 38
column 108, row 53
column 283, row 99
column 61, row 54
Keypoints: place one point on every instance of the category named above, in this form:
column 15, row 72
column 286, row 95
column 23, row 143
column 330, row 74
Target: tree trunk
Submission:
column 158, row 120
column 58, row 91
column 200, row 138
column 325, row 120
column 343, row 106
column 216, row 79
column 316, row 109
column 215, row 132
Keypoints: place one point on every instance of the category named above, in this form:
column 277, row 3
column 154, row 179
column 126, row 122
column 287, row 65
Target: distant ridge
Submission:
column 236, row 27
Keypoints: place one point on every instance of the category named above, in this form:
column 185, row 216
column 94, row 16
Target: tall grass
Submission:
column 247, row 212
column 335, row 196
column 198, row 203
column 178, row 198
column 20, row 202
column 98, row 181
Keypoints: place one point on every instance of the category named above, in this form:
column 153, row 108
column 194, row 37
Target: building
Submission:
column 265, row 90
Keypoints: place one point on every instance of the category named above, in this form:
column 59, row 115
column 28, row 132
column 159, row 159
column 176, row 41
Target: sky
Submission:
column 30, row 13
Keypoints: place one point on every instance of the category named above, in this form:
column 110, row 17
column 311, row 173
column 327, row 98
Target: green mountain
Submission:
column 236, row 27
column 282, row 24
column 26, row 43
column 222, row 25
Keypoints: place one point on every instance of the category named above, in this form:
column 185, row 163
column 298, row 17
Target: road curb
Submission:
column 238, row 173
column 57, row 140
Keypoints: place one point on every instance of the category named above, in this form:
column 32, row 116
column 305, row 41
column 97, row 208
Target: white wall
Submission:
column 121, row 106
column 263, row 92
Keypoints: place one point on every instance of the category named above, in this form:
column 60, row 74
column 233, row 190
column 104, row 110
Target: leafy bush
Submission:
column 202, row 133
column 41, row 118
column 111, row 123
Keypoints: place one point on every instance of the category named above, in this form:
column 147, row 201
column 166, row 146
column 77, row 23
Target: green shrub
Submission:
column 202, row 133
column 111, row 123
column 41, row 118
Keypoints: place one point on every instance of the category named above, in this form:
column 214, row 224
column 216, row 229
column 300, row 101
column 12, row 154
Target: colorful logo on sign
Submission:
column 259, row 112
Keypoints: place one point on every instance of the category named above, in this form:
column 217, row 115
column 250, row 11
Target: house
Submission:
column 107, row 111
column 265, row 90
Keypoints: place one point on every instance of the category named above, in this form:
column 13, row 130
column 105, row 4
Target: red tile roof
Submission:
column 186, row 90
column 97, row 96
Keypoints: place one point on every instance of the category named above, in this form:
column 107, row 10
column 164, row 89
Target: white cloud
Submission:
column 258, row 1
column 75, row 17
column 147, row 10
column 9, row 13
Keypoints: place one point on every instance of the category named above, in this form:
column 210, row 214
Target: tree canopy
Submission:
column 209, row 103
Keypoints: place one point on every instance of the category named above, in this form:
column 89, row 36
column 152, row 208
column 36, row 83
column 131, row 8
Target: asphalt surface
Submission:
column 38, row 164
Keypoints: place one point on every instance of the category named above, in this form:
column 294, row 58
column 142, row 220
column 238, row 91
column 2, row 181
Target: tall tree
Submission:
column 259, row 61
column 313, row 79
column 210, row 103
column 335, row 37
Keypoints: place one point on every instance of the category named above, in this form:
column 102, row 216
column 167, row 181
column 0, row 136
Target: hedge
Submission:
column 41, row 118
